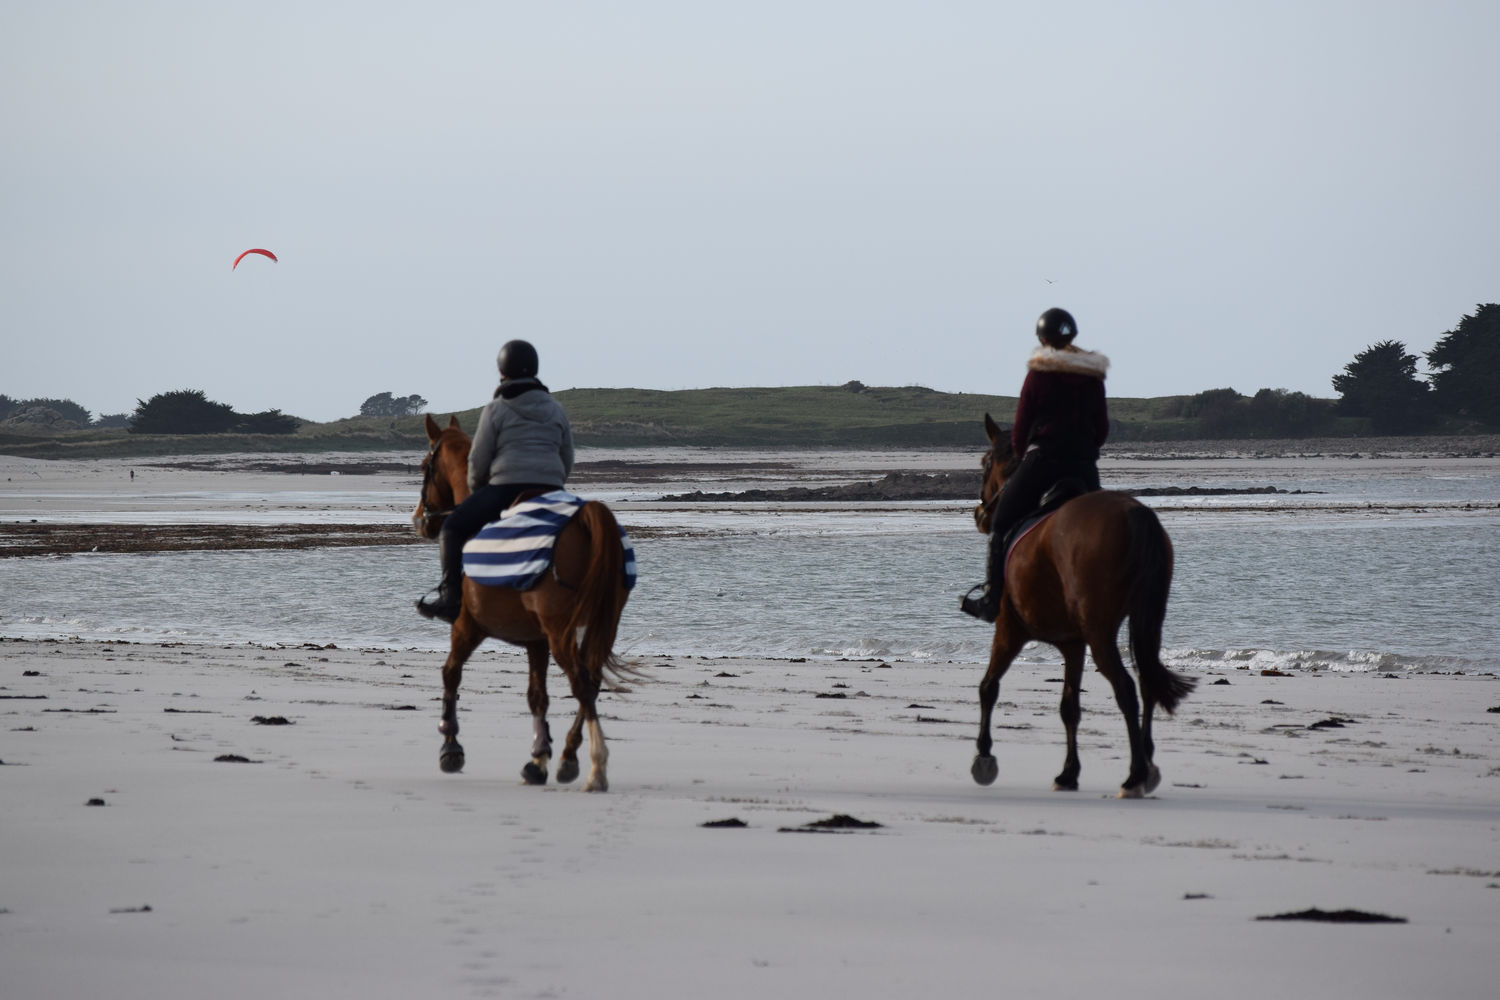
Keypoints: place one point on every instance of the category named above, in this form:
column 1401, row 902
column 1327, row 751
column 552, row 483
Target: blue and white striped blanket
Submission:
column 516, row 550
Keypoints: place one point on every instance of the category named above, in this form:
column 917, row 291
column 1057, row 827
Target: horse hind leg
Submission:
column 535, row 771
column 1148, row 746
column 1107, row 659
column 598, row 757
column 585, row 684
column 567, row 767
column 1071, row 712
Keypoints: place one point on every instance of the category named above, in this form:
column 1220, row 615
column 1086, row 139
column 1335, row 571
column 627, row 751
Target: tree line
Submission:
column 184, row 411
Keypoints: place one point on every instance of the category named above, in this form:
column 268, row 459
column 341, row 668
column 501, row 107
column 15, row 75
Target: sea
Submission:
column 1354, row 564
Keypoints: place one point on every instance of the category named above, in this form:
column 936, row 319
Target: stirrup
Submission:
column 980, row 604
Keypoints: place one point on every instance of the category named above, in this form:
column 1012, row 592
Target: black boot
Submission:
column 983, row 601
column 447, row 600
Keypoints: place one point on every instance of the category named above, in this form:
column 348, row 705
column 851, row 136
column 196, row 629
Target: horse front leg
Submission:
column 1071, row 712
column 535, row 771
column 463, row 639
column 1009, row 638
column 1143, row 775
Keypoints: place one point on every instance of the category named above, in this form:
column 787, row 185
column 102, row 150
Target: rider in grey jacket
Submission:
column 523, row 444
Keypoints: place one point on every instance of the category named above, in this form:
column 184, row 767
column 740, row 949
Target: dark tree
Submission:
column 1465, row 367
column 113, row 420
column 1289, row 414
column 268, row 422
column 385, row 405
column 66, row 408
column 7, row 406
column 187, row 411
column 1381, row 384
column 1219, row 412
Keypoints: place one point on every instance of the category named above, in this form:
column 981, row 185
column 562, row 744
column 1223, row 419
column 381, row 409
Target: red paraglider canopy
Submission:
column 242, row 256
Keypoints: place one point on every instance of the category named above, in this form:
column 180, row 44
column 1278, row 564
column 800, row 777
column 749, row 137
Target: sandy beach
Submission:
column 230, row 854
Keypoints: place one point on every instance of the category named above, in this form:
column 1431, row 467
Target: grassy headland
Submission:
column 851, row 416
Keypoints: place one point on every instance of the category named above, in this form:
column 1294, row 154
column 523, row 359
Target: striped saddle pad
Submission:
column 516, row 550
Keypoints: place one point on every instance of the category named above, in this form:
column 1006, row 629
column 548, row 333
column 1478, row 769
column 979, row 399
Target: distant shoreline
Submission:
column 213, row 452
column 1414, row 446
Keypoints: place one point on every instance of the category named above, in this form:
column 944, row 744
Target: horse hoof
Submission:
column 451, row 758
column 1153, row 779
column 1058, row 785
column 1131, row 792
column 533, row 773
column 597, row 783
column 567, row 771
column 985, row 769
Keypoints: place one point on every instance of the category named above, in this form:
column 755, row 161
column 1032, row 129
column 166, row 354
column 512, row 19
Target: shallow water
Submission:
column 1413, row 591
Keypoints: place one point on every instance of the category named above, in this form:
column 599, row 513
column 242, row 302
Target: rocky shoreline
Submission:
column 52, row 539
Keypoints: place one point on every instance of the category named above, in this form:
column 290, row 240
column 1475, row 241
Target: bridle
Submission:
column 987, row 466
column 431, row 514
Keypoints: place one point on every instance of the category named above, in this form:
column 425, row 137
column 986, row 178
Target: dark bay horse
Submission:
column 572, row 614
column 1071, row 582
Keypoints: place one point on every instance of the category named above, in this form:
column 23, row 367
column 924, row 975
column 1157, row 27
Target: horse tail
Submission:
column 601, row 595
column 1148, row 563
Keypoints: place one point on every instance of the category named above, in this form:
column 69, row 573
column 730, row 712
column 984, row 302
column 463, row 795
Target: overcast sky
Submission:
column 690, row 194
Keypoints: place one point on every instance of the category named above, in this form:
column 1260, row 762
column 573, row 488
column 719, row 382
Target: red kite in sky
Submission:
column 242, row 256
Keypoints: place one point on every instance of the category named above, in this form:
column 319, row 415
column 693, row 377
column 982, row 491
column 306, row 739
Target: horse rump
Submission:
column 601, row 595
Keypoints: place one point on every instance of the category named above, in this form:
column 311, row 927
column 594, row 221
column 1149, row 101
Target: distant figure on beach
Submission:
column 523, row 444
column 1061, row 422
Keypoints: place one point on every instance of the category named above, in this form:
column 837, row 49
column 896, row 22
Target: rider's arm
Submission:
column 482, row 450
column 1026, row 408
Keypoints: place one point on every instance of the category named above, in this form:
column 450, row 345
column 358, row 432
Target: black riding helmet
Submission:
column 518, row 360
column 1056, row 328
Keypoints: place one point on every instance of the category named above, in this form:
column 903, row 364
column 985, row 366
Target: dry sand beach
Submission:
column 165, row 834
column 258, row 820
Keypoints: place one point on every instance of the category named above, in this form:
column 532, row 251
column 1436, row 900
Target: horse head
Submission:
column 445, row 476
column 997, row 465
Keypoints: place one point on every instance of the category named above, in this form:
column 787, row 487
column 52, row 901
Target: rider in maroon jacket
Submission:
column 1061, row 422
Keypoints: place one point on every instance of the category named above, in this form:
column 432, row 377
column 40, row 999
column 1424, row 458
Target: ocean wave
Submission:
column 1353, row 661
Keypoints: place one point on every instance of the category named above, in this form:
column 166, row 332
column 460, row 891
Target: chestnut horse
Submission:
column 572, row 613
column 1071, row 581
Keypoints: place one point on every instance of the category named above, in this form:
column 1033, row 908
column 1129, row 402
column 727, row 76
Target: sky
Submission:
column 677, row 195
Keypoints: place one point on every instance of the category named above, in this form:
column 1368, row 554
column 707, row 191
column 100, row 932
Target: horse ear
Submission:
column 433, row 430
column 453, row 423
column 991, row 429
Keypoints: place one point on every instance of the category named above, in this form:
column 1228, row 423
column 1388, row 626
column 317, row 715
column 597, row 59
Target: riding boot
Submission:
column 448, row 599
column 983, row 601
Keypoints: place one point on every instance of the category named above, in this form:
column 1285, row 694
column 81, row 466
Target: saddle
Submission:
column 516, row 550
column 530, row 494
column 1058, row 494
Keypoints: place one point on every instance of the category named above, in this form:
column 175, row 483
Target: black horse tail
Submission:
column 1148, row 563
column 601, row 595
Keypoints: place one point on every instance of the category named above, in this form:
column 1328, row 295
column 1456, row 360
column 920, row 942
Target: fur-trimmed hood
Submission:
column 1073, row 360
